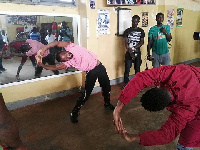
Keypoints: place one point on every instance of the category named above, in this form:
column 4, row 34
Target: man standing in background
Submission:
column 158, row 37
column 66, row 33
column 50, row 37
column 134, row 39
column 5, row 37
column 34, row 35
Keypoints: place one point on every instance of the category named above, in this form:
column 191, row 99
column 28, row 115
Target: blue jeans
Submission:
column 181, row 147
column 163, row 59
column 128, row 64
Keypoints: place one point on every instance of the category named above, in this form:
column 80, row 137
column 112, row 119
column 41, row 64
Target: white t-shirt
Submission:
column 50, row 38
column 5, row 38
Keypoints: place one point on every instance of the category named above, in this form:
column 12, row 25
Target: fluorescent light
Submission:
column 66, row 1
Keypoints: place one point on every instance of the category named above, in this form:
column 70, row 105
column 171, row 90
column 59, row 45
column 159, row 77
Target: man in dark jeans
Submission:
column 84, row 60
column 33, row 47
column 134, row 39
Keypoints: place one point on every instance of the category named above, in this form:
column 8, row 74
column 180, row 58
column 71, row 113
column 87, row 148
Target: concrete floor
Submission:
column 47, row 126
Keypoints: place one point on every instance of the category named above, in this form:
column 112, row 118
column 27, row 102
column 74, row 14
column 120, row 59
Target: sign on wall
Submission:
column 103, row 21
column 92, row 4
column 131, row 2
column 179, row 17
column 170, row 18
column 145, row 19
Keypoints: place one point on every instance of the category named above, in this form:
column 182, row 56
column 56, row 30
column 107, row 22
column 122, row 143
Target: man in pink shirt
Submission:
column 35, row 46
column 29, row 48
column 175, row 88
column 84, row 60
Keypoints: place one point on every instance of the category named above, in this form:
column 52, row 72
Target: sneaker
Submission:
column 124, row 86
column 17, row 77
column 109, row 106
column 74, row 116
column 2, row 69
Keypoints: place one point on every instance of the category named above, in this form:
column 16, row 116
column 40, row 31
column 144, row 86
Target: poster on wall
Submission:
column 92, row 4
column 179, row 17
column 103, row 21
column 21, row 20
column 131, row 2
column 170, row 18
column 144, row 19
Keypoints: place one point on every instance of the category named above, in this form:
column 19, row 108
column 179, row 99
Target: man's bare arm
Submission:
column 149, row 46
column 168, row 36
column 126, row 43
column 140, row 44
column 53, row 67
column 55, row 43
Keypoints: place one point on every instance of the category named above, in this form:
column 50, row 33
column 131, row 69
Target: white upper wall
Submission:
column 186, row 4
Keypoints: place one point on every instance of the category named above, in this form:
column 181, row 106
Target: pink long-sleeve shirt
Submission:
column 83, row 59
column 183, row 81
column 35, row 47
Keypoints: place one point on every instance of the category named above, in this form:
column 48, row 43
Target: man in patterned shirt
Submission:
column 134, row 39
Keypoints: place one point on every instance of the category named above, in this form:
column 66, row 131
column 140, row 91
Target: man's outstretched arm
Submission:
column 149, row 46
column 119, row 128
column 41, row 52
column 52, row 67
column 116, row 116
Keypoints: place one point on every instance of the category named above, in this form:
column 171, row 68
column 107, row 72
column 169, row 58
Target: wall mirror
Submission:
column 16, row 28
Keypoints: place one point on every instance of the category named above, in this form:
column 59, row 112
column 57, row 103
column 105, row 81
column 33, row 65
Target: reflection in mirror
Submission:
column 18, row 62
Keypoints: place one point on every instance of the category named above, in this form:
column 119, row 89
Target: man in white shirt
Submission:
column 50, row 37
column 5, row 37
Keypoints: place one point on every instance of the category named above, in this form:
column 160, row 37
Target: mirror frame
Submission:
column 77, row 17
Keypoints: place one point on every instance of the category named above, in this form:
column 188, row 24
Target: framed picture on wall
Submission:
column 124, row 17
column 131, row 2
